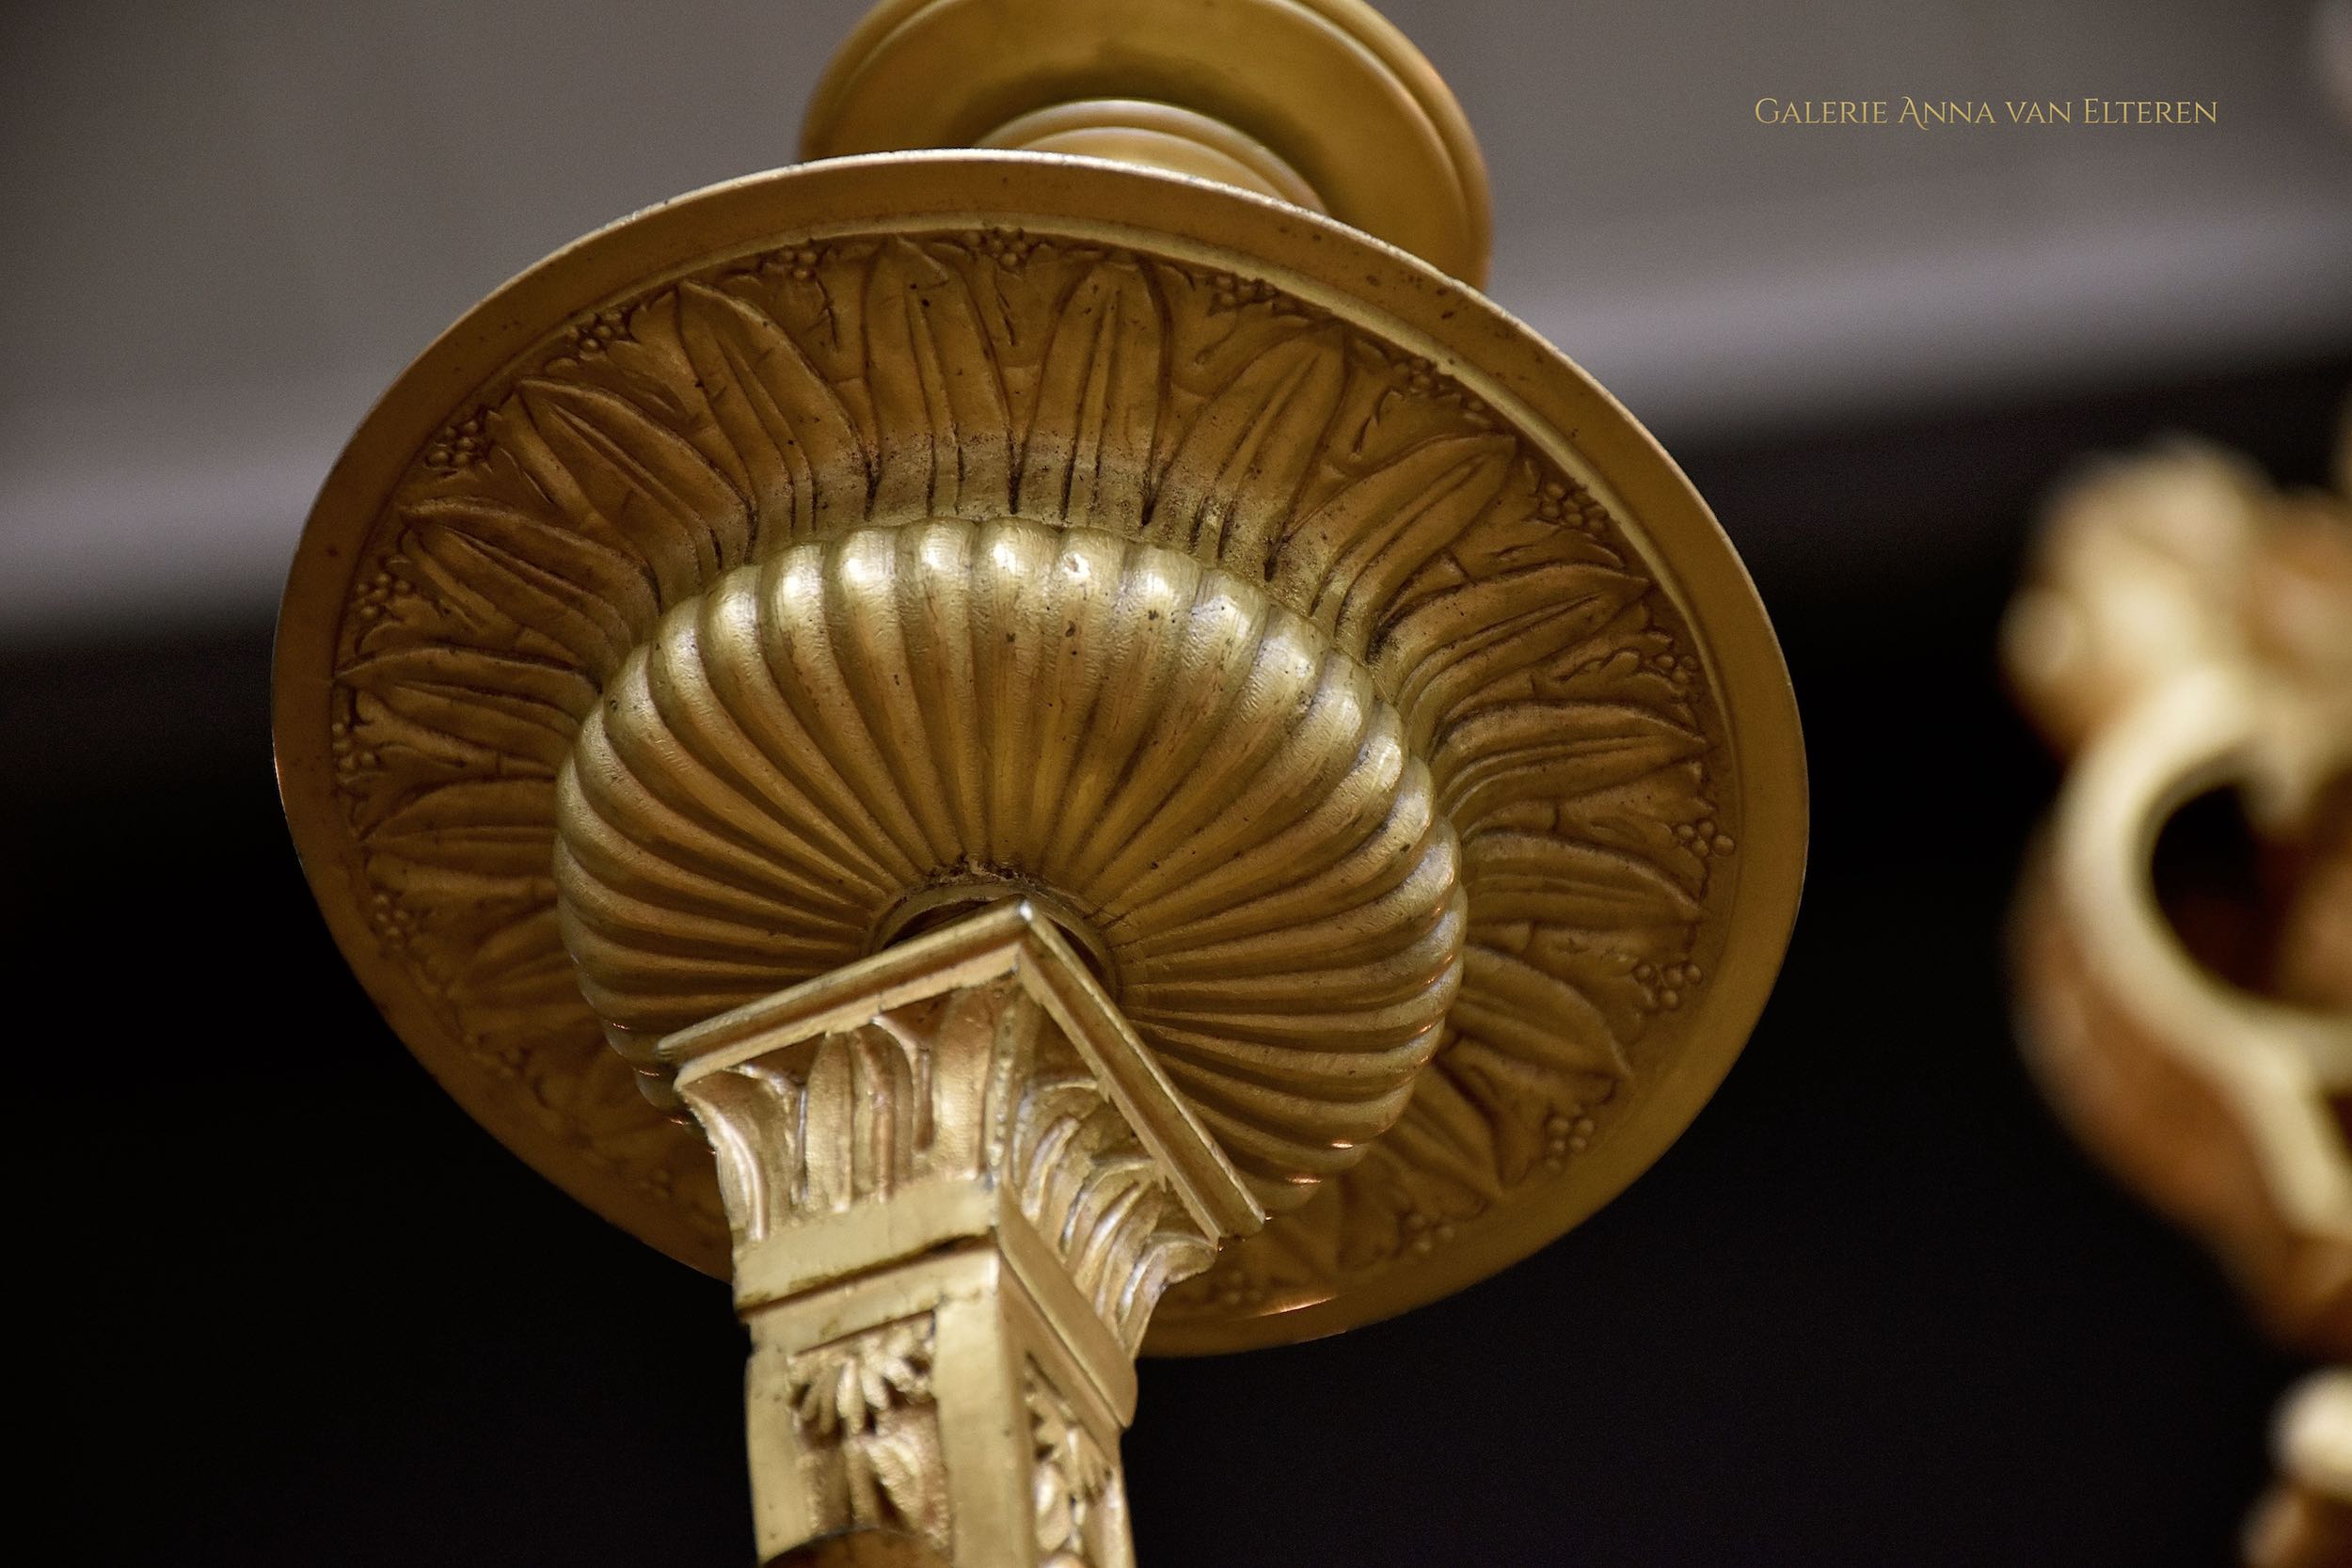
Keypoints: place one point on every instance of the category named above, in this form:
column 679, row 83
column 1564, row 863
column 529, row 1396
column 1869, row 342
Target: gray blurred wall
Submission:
column 227, row 224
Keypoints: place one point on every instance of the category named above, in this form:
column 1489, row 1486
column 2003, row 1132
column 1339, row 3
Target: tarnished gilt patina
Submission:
column 1360, row 715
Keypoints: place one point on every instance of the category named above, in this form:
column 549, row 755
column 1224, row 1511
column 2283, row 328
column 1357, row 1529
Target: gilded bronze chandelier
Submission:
column 1056, row 747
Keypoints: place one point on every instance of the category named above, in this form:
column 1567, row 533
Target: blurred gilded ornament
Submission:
column 2187, row 629
column 1107, row 741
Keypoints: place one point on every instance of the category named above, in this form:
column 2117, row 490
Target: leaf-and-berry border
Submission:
column 1544, row 678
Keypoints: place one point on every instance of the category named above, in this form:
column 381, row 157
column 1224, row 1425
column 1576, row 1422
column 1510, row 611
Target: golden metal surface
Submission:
column 1320, row 102
column 1217, row 795
column 2187, row 629
column 1045, row 711
column 1156, row 135
column 2306, row 1520
column 958, row 1184
column 1569, row 646
column 949, row 732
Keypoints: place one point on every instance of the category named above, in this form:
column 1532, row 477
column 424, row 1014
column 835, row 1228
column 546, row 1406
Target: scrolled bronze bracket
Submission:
column 2186, row 629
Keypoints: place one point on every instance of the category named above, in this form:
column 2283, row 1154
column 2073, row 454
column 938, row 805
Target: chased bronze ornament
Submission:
column 1217, row 801
column 644, row 448
column 1392, row 770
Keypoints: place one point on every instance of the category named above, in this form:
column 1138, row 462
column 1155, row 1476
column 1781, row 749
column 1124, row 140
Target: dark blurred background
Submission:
column 1873, row 1308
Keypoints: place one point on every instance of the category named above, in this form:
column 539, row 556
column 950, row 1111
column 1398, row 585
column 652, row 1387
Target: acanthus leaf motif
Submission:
column 617, row 473
column 1546, row 693
column 1350, row 558
column 1237, row 473
column 805, row 469
column 525, row 578
column 1087, row 456
column 946, row 432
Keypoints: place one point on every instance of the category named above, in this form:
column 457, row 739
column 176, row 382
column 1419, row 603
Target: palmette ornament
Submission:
column 1135, row 761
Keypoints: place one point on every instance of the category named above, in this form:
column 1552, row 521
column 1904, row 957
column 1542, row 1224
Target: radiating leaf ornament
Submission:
column 797, row 457
column 1238, row 472
column 1348, row 560
column 1087, row 456
column 751, row 612
column 947, row 435
column 614, row 471
column 520, row 581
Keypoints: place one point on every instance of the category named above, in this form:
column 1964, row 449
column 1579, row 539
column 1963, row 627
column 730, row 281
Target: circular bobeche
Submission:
column 1384, row 704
